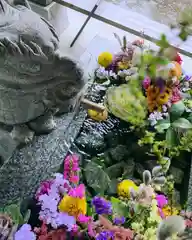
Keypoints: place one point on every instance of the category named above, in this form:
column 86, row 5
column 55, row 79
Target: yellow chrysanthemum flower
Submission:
column 168, row 211
column 123, row 65
column 124, row 188
column 105, row 59
column 74, row 206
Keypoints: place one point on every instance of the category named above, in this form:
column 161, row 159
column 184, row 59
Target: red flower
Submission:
column 178, row 59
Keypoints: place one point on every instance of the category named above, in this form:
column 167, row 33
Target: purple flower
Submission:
column 187, row 78
column 65, row 219
column 105, row 235
column 160, row 83
column 146, row 82
column 102, row 206
column 119, row 220
column 25, row 233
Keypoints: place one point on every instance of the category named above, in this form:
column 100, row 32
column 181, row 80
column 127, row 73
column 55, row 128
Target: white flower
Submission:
column 154, row 117
column 101, row 73
column 112, row 74
column 164, row 108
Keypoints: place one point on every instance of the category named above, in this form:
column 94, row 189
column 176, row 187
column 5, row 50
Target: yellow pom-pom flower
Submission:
column 74, row 206
column 105, row 59
column 124, row 188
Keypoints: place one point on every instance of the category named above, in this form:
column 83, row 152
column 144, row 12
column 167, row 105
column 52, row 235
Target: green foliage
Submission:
column 13, row 211
column 119, row 207
column 182, row 123
column 177, row 109
column 96, row 177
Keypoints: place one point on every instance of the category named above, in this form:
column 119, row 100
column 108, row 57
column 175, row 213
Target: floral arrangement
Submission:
column 136, row 212
column 149, row 90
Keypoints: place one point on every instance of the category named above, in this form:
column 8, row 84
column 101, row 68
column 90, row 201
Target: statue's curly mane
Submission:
column 21, row 49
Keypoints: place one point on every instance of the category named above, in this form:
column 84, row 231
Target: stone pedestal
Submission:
column 53, row 12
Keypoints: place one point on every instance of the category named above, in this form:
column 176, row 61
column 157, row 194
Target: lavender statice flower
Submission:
column 102, row 73
column 64, row 219
column 25, row 233
column 119, row 220
column 105, row 235
column 49, row 201
column 102, row 206
column 154, row 117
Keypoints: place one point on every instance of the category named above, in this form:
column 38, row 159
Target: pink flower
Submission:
column 71, row 168
column 78, row 192
column 74, row 179
column 91, row 231
column 44, row 188
column 75, row 228
column 188, row 223
column 176, row 96
column 84, row 219
column 146, row 82
column 161, row 200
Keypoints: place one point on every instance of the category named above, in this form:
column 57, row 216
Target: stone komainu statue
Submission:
column 35, row 81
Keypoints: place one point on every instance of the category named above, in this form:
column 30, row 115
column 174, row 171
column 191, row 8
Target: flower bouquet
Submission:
column 135, row 212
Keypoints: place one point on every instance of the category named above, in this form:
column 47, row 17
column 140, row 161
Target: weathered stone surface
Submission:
column 22, row 174
column 31, row 92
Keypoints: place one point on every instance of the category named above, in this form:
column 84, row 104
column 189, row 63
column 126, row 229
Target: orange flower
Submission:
column 155, row 99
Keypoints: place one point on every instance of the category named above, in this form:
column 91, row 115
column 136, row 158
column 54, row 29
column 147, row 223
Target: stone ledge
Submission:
column 54, row 13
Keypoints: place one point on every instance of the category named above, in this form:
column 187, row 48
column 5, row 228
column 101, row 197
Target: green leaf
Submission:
column 163, row 43
column 14, row 212
column 112, row 190
column 27, row 216
column 190, row 117
column 96, row 177
column 152, row 70
column 177, row 109
column 119, row 208
column 182, row 123
column 161, row 60
column 183, row 34
column 115, row 170
column 163, row 125
column 142, row 73
column 171, row 138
